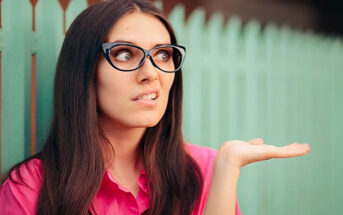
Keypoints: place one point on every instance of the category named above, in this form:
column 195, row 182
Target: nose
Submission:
column 147, row 72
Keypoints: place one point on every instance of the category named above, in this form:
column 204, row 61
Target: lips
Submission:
column 147, row 94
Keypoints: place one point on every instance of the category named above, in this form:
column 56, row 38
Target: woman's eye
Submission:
column 123, row 55
column 163, row 55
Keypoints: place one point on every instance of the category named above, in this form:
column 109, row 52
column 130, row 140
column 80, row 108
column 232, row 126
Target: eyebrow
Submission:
column 124, row 41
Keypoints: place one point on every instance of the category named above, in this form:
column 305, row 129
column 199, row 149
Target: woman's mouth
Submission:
column 151, row 96
column 147, row 100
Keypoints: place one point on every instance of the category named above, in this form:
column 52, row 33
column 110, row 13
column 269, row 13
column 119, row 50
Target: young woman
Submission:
column 115, row 145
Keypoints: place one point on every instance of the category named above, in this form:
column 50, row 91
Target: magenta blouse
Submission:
column 112, row 198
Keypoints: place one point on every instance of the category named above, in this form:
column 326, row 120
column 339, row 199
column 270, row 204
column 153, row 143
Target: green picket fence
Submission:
column 276, row 83
column 240, row 82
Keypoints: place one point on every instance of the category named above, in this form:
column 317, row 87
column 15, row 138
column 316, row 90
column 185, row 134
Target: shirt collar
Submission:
column 141, row 180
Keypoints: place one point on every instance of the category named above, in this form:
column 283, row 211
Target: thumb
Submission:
column 256, row 141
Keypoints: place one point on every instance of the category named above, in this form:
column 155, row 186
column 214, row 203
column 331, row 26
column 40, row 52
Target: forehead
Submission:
column 140, row 28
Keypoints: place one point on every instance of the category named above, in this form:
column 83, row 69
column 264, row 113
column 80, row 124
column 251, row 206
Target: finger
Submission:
column 256, row 141
column 292, row 150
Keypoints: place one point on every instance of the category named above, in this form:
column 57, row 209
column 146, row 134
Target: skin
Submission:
column 124, row 122
column 232, row 155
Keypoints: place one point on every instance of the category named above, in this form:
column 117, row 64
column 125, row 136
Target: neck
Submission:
column 124, row 141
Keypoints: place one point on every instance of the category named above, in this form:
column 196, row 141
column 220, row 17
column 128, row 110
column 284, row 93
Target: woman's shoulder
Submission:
column 19, row 193
column 26, row 173
column 200, row 152
column 203, row 155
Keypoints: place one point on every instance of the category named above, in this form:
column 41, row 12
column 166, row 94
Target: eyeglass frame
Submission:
column 106, row 47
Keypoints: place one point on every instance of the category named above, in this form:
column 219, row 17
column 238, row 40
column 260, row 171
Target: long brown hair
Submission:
column 72, row 155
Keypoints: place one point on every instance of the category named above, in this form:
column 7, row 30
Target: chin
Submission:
column 147, row 123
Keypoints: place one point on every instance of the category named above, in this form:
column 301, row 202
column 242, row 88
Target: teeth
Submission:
column 149, row 96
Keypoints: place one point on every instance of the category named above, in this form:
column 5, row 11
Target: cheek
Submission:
column 168, row 81
column 111, row 88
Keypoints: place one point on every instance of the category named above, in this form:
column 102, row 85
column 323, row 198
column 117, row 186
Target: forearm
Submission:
column 222, row 196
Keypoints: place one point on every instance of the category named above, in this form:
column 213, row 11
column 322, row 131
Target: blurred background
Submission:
column 254, row 68
column 321, row 16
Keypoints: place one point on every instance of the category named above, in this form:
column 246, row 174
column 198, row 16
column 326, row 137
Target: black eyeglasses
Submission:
column 128, row 57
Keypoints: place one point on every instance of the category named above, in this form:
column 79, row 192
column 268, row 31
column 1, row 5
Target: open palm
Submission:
column 243, row 153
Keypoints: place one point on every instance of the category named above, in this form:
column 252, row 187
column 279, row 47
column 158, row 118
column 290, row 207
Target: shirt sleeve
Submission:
column 205, row 156
column 238, row 210
column 18, row 198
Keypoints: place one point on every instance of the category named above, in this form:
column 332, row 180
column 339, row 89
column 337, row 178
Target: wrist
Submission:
column 225, row 159
column 227, row 166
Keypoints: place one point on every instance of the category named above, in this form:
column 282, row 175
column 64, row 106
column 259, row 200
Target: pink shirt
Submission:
column 112, row 198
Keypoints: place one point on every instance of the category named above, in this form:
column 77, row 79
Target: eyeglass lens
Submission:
column 129, row 57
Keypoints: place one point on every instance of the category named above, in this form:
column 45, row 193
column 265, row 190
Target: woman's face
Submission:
column 120, row 95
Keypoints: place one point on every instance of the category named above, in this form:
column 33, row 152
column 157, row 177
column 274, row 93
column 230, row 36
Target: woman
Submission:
column 115, row 145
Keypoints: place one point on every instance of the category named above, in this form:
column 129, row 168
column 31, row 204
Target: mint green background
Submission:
column 241, row 82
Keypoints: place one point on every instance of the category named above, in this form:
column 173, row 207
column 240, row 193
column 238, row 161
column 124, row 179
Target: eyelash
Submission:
column 115, row 54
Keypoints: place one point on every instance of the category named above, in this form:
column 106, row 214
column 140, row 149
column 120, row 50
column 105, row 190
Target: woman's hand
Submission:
column 239, row 153
column 231, row 156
